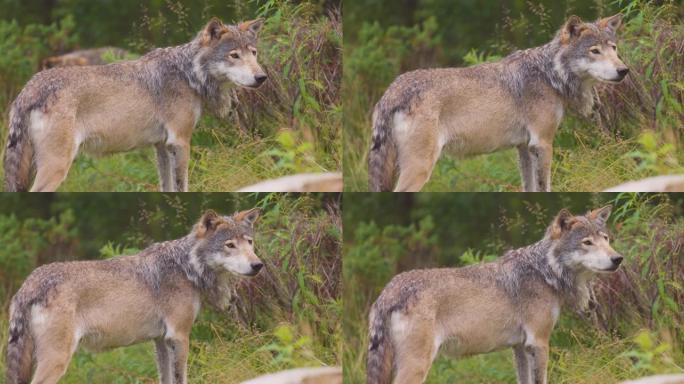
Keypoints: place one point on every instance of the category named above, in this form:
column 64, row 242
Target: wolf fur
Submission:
column 153, row 295
column 512, row 302
column 155, row 100
column 516, row 102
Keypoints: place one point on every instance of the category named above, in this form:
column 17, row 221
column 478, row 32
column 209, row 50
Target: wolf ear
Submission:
column 600, row 215
column 207, row 223
column 249, row 216
column 213, row 30
column 611, row 24
column 561, row 223
column 572, row 28
column 252, row 26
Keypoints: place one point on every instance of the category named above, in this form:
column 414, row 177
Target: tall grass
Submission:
column 635, row 131
column 632, row 329
column 288, row 316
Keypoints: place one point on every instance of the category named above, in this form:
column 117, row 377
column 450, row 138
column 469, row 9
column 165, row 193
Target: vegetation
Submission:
column 291, row 124
column 288, row 316
column 637, row 129
column 633, row 329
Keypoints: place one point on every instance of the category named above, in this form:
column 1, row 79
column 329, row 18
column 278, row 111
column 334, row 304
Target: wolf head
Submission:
column 582, row 243
column 589, row 50
column 226, row 243
column 229, row 53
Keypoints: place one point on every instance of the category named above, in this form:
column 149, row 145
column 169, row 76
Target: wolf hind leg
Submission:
column 415, row 352
column 53, row 354
column 419, row 150
column 54, row 153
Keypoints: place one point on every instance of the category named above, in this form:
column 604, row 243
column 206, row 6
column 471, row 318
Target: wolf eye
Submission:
column 230, row 244
column 250, row 241
column 234, row 55
column 595, row 51
column 254, row 52
column 587, row 242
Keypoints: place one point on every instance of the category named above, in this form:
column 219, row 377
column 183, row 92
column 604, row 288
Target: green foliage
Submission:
column 28, row 243
column 23, row 48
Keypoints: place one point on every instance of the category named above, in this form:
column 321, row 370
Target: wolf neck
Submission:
column 571, row 287
column 187, row 60
column 177, row 256
column 547, row 62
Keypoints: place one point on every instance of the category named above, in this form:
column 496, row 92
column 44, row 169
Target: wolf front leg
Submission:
column 164, row 365
column 522, row 365
column 526, row 171
column 179, row 346
column 541, row 155
column 179, row 153
column 164, row 167
column 537, row 357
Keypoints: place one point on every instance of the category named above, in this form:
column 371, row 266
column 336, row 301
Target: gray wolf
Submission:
column 153, row 295
column 155, row 100
column 516, row 102
column 94, row 56
column 512, row 302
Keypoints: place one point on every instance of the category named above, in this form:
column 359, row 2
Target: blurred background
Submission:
column 637, row 129
column 288, row 316
column 632, row 329
column 290, row 125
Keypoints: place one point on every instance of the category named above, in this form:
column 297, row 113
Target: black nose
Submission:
column 616, row 260
column 622, row 72
column 257, row 266
column 260, row 78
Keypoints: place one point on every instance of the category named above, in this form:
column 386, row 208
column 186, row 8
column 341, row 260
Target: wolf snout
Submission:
column 617, row 259
column 622, row 72
column 256, row 267
column 260, row 78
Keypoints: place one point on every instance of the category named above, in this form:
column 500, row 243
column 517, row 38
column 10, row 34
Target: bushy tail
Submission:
column 20, row 346
column 380, row 352
column 382, row 159
column 18, row 153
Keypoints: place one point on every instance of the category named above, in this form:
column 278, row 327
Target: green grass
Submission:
column 576, row 167
column 219, row 166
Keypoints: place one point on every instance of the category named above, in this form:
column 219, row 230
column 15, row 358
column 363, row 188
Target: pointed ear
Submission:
column 207, row 223
column 572, row 29
column 561, row 223
column 600, row 215
column 213, row 30
column 249, row 216
column 611, row 24
column 253, row 26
